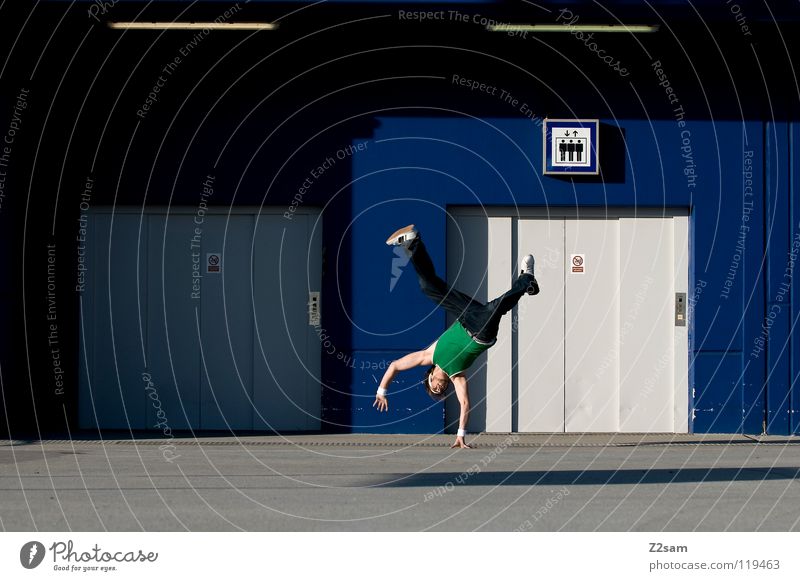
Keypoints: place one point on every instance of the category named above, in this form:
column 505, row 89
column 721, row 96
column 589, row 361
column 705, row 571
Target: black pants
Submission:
column 480, row 320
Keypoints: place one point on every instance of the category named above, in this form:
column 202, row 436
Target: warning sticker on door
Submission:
column 213, row 262
column 577, row 263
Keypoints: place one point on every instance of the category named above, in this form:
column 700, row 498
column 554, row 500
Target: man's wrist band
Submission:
column 381, row 391
column 461, row 433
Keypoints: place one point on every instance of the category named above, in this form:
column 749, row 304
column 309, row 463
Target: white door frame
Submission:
column 683, row 263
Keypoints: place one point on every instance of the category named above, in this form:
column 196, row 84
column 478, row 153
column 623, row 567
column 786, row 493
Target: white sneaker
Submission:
column 526, row 264
column 402, row 236
column 526, row 267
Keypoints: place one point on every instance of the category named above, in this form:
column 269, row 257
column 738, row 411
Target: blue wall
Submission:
column 743, row 222
column 261, row 111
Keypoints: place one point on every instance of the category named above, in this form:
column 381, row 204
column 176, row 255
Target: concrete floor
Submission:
column 602, row 482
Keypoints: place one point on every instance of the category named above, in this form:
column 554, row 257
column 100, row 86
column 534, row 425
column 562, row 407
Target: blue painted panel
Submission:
column 727, row 257
column 412, row 171
column 794, row 212
column 655, row 173
column 754, row 275
column 389, row 311
column 718, row 399
column 411, row 410
column 465, row 161
column 723, row 236
column 498, row 161
column 415, row 167
column 777, row 327
column 776, row 322
column 777, row 196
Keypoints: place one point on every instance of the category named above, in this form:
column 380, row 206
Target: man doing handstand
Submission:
column 474, row 331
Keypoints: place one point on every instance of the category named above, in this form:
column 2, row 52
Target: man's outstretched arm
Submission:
column 462, row 393
column 414, row 359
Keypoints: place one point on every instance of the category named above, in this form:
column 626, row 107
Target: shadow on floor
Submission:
column 590, row 477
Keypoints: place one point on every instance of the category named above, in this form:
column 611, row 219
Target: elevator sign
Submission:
column 571, row 146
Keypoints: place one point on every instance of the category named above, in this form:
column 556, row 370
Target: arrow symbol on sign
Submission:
column 575, row 133
column 566, row 133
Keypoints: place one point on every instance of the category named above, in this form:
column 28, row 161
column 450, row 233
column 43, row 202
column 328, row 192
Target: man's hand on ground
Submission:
column 459, row 443
column 381, row 403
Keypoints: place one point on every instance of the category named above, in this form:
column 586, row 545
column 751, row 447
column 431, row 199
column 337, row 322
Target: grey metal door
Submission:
column 196, row 321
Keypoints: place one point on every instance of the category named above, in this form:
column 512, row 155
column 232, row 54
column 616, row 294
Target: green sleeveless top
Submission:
column 455, row 350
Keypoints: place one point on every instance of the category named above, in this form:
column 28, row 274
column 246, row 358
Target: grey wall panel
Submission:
column 313, row 363
column 592, row 327
column 227, row 324
column 160, row 329
column 540, row 322
column 646, row 323
column 282, row 342
column 90, row 325
column 500, row 358
column 113, row 344
column 468, row 271
column 173, row 332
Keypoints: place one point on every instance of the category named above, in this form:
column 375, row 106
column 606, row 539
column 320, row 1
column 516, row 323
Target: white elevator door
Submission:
column 597, row 350
column 237, row 352
column 591, row 320
column 540, row 324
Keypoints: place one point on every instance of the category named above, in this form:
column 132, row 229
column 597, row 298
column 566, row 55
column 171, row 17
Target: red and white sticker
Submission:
column 577, row 263
column 213, row 262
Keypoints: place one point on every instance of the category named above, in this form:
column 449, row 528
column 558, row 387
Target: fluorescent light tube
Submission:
column 629, row 28
column 192, row 25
